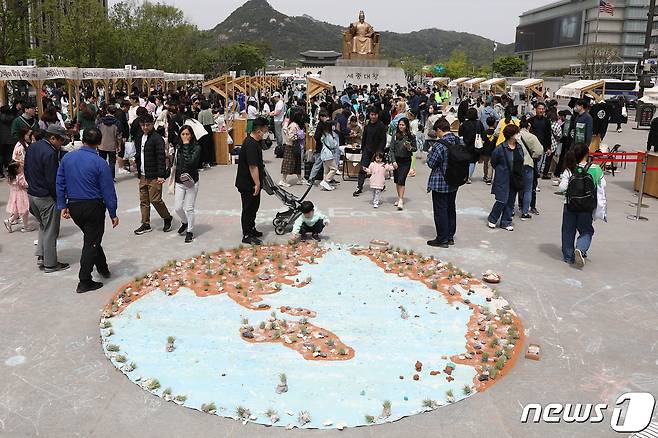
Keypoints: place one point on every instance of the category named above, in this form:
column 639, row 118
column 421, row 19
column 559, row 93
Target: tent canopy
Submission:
column 439, row 81
column 457, row 82
column 579, row 88
column 315, row 86
column 493, row 84
column 471, row 83
column 532, row 84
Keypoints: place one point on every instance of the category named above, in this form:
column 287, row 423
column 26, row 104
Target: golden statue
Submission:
column 361, row 40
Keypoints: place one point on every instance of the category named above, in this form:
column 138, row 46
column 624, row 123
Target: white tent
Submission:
column 471, row 83
column 532, row 84
column 457, row 82
column 494, row 85
column 579, row 88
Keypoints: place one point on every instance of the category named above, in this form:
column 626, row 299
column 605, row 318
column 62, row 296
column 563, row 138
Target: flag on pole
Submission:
column 495, row 46
column 607, row 7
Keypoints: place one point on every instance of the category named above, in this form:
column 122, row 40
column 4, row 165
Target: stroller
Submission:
column 284, row 220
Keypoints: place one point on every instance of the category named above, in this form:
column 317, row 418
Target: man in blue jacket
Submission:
column 41, row 162
column 85, row 189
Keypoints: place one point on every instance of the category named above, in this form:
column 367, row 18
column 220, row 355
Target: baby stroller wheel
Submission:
column 277, row 222
column 280, row 230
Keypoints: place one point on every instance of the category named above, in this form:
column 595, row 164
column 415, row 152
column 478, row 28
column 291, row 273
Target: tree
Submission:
column 456, row 66
column 412, row 66
column 11, row 43
column 238, row 57
column 508, row 65
column 594, row 55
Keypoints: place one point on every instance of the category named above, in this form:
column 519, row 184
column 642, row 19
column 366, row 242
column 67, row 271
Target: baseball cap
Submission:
column 58, row 131
column 276, row 94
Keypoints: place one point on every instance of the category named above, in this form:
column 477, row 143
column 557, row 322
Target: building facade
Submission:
column 554, row 37
column 319, row 58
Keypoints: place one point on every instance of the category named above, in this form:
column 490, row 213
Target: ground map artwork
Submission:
column 311, row 335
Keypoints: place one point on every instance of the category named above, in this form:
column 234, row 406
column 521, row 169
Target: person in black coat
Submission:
column 6, row 139
column 150, row 158
column 652, row 140
column 468, row 131
column 373, row 141
column 462, row 109
column 188, row 158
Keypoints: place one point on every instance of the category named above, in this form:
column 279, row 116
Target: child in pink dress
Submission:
column 377, row 171
column 18, row 204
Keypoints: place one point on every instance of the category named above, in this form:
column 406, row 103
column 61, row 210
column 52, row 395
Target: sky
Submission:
column 479, row 17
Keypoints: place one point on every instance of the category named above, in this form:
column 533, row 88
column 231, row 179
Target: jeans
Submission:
column 572, row 222
column 366, row 159
column 111, row 158
column 535, row 180
column 278, row 132
column 471, row 170
column 503, row 211
column 185, row 198
column 150, row 192
column 376, row 196
column 89, row 216
column 445, row 215
column 317, row 165
column 250, row 206
column 48, row 216
column 526, row 197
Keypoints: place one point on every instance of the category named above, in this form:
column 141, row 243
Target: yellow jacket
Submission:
column 501, row 126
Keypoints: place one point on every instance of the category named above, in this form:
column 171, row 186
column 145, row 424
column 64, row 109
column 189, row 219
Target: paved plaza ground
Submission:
column 598, row 328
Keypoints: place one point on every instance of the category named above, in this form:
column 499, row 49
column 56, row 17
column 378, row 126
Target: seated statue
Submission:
column 361, row 39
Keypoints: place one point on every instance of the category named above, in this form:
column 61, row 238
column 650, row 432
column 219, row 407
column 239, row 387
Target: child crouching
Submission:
column 377, row 171
column 310, row 222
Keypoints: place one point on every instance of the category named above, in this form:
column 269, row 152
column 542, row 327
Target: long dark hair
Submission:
column 407, row 131
column 298, row 118
column 191, row 131
column 510, row 112
column 326, row 127
column 12, row 171
column 575, row 155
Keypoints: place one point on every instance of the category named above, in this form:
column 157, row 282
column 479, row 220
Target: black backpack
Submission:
column 581, row 191
column 459, row 160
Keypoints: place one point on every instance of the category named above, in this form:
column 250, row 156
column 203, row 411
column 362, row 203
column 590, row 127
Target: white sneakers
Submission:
column 326, row 186
column 400, row 204
column 282, row 183
column 490, row 225
column 509, row 228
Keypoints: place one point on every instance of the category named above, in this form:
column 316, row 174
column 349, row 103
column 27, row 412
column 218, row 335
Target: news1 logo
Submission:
column 638, row 412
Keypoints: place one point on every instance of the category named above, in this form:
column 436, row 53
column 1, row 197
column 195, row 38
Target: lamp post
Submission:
column 532, row 50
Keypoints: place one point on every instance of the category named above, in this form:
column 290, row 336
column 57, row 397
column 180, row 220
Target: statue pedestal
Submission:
column 365, row 61
column 363, row 72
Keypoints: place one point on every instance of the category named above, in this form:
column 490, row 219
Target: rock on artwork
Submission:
column 311, row 336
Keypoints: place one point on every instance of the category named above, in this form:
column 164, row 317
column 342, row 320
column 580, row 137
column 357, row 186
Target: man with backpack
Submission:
column 449, row 161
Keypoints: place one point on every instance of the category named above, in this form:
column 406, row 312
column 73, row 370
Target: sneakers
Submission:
column 315, row 236
column 167, row 224
column 326, row 186
column 435, row 243
column 251, row 240
column 490, row 225
column 88, row 286
column 396, row 203
column 534, row 211
column 525, row 217
column 303, row 182
column 468, row 181
column 375, row 205
column 303, row 237
column 400, row 205
column 357, row 192
column 182, row 229
column 9, row 224
column 451, row 242
column 619, row 130
column 282, row 183
column 256, row 233
column 58, row 267
column 556, row 182
column 509, row 228
column 579, row 260
column 144, row 228
column 189, row 237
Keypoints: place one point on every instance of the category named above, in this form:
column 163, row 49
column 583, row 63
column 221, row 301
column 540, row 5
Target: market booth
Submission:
column 314, row 86
column 529, row 87
column 494, row 87
column 473, row 84
column 580, row 89
column 439, row 82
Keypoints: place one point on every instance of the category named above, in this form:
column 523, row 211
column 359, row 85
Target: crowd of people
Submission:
column 59, row 166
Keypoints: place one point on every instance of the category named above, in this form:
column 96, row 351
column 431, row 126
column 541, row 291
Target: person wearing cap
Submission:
column 279, row 114
column 25, row 120
column 41, row 163
column 85, row 189
column 151, row 170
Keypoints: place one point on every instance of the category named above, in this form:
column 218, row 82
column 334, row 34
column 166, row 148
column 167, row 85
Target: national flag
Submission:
column 606, row 7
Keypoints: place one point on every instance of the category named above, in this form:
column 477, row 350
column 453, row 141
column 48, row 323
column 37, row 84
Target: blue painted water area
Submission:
column 353, row 298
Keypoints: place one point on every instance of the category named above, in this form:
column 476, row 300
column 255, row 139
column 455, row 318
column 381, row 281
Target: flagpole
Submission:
column 598, row 16
column 493, row 59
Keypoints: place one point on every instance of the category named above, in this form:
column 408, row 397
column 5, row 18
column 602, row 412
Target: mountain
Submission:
column 258, row 22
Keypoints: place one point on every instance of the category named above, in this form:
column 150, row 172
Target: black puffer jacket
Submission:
column 188, row 158
column 155, row 165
